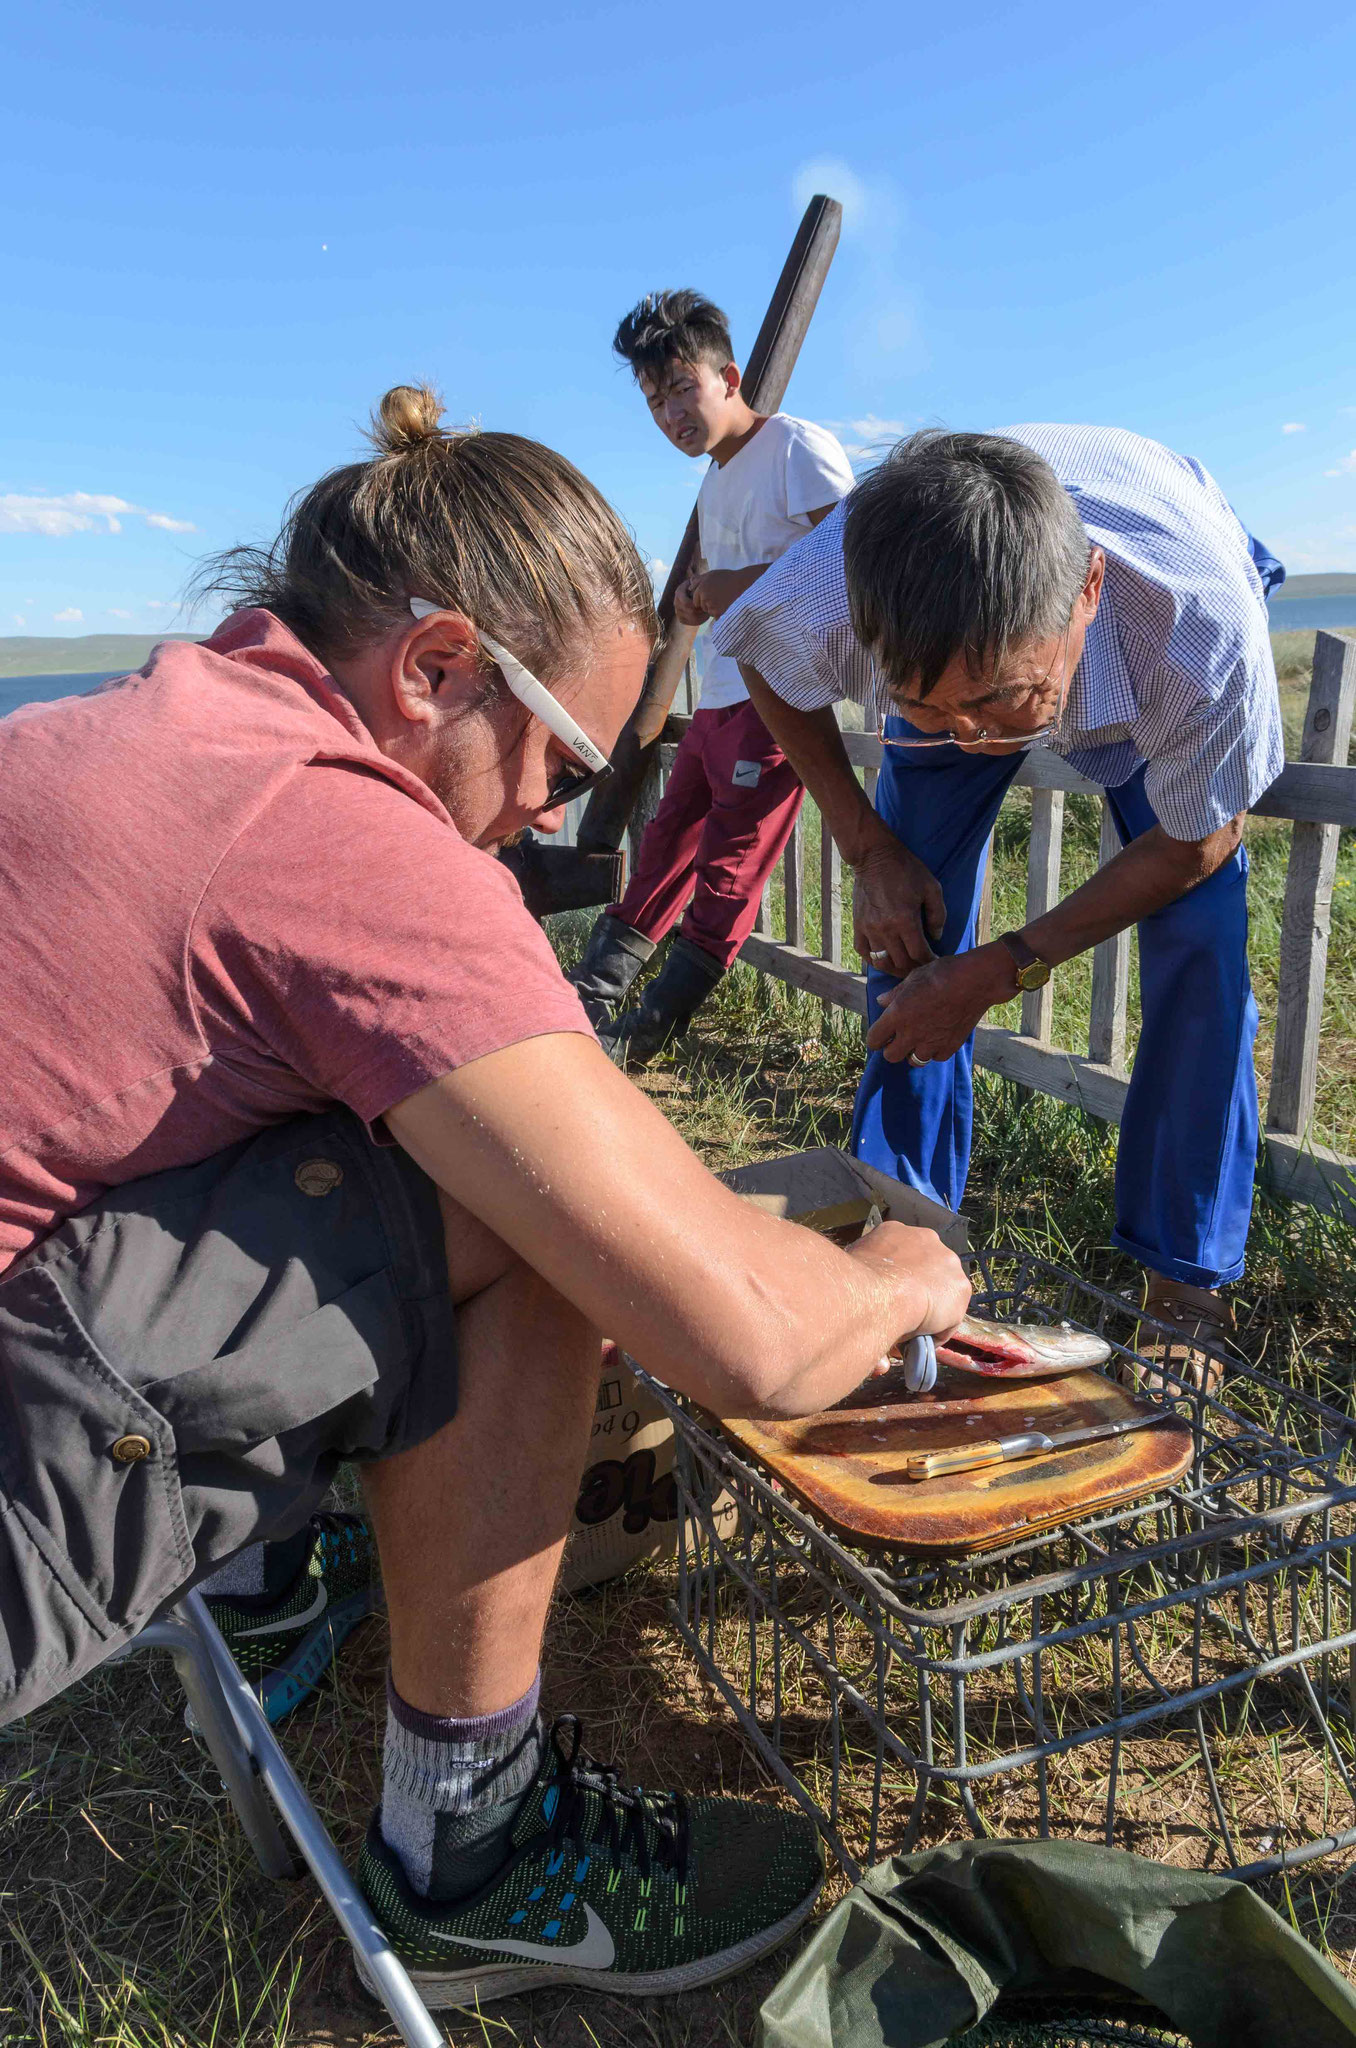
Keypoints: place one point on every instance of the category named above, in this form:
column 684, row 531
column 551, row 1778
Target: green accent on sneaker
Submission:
column 634, row 1892
column 285, row 1646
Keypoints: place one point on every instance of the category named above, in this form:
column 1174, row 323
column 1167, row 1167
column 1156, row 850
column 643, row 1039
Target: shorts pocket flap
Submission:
column 88, row 1463
column 286, row 1373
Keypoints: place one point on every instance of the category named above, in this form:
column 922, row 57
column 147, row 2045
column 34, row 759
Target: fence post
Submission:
column 984, row 919
column 1307, row 916
column 1110, row 972
column 830, row 898
column 1042, row 894
column 646, row 804
column 793, row 882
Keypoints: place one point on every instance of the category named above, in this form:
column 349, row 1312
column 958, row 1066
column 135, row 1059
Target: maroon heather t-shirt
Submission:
column 221, row 905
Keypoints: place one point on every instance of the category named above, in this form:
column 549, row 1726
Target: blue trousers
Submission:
column 1188, row 1140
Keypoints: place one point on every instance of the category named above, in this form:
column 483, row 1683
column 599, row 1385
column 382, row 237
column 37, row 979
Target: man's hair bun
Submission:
column 408, row 415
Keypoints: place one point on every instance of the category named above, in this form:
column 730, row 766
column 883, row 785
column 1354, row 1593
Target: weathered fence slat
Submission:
column 830, row 897
column 1110, row 973
column 984, row 918
column 793, row 878
column 1042, row 894
column 1307, row 916
column 647, row 803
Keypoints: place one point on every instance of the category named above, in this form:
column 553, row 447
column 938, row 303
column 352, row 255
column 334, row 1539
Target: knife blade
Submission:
column 999, row 1450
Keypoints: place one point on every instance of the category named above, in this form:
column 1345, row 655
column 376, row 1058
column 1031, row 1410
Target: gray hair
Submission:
column 959, row 544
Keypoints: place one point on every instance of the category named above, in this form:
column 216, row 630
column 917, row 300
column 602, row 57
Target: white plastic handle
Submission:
column 920, row 1365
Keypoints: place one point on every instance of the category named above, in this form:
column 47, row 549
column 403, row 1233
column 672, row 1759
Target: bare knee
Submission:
column 476, row 1257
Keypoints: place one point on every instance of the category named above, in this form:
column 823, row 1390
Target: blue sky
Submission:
column 228, row 230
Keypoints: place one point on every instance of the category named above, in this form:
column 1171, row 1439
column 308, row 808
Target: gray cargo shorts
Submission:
column 184, row 1366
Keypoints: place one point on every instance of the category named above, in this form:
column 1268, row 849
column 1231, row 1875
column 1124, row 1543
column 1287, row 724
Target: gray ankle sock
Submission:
column 453, row 1789
column 261, row 1568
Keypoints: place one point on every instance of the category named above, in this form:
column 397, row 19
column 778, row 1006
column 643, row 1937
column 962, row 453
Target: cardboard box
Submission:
column 628, row 1505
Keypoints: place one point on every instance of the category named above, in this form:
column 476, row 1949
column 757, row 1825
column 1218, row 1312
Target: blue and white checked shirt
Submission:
column 1176, row 672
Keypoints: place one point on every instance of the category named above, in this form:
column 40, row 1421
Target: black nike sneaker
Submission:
column 632, row 1892
column 285, row 1644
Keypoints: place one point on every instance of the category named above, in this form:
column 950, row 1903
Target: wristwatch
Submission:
column 1032, row 971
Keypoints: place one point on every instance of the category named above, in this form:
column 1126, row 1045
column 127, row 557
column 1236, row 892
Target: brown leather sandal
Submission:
column 1201, row 1354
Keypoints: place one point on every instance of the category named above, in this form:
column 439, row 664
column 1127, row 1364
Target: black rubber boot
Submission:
column 612, row 959
column 667, row 1007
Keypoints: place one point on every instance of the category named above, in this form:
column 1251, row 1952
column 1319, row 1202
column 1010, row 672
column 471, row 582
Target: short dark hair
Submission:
column 673, row 327
column 959, row 543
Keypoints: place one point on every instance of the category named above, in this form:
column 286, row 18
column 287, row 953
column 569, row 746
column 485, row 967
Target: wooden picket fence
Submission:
column 1317, row 793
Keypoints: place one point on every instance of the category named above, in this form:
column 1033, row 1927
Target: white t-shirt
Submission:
column 753, row 509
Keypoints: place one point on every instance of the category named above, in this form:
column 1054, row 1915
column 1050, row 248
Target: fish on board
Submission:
column 1020, row 1351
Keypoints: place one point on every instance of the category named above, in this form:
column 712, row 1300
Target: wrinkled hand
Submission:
column 930, row 1277
column 933, row 1012
column 686, row 609
column 897, row 907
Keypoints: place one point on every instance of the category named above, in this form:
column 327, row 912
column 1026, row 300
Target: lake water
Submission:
column 17, row 690
column 1304, row 613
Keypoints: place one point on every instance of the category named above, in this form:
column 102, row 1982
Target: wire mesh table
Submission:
column 1176, row 1675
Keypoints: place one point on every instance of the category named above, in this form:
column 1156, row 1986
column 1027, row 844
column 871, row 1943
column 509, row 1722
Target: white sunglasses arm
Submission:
column 538, row 700
column 532, row 695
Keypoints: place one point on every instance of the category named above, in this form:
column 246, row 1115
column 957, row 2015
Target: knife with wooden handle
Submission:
column 1030, row 1444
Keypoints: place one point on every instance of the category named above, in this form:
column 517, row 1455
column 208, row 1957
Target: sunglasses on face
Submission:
column 568, row 782
column 981, row 736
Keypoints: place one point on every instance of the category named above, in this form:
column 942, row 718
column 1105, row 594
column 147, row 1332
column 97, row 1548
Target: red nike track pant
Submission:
column 725, row 816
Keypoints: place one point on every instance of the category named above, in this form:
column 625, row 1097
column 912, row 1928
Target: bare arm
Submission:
column 1151, row 871
column 709, row 593
column 937, row 1007
column 577, row 1171
column 896, row 901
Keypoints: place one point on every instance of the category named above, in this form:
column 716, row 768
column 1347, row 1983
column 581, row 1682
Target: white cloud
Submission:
column 869, row 438
column 156, row 604
column 1293, row 427
column 76, row 512
column 56, row 517
column 872, row 217
column 1319, row 549
column 114, row 613
column 1344, row 467
column 829, row 174
column 72, row 616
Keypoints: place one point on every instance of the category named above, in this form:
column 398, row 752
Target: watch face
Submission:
column 1034, row 976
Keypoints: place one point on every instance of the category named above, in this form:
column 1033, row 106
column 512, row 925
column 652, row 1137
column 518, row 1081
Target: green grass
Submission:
column 131, row 1915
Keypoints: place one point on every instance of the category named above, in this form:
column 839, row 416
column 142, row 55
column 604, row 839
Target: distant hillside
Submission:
column 91, row 654
column 1329, row 585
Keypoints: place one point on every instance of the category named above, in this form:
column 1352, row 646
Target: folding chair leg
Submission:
column 225, row 1741
column 380, row 1963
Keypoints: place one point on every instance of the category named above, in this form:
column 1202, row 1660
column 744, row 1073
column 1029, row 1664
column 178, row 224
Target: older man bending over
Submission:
column 1088, row 590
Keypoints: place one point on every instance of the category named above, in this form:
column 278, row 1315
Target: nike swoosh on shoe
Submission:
column 596, row 1950
column 291, row 1621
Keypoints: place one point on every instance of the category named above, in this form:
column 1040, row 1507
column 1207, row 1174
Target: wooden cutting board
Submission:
column 847, row 1463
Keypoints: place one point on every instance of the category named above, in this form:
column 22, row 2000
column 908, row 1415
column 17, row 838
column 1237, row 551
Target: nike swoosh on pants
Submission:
column 277, row 1628
column 596, row 1951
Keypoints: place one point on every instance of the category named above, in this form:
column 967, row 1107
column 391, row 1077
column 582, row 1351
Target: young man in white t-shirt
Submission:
column 732, row 797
